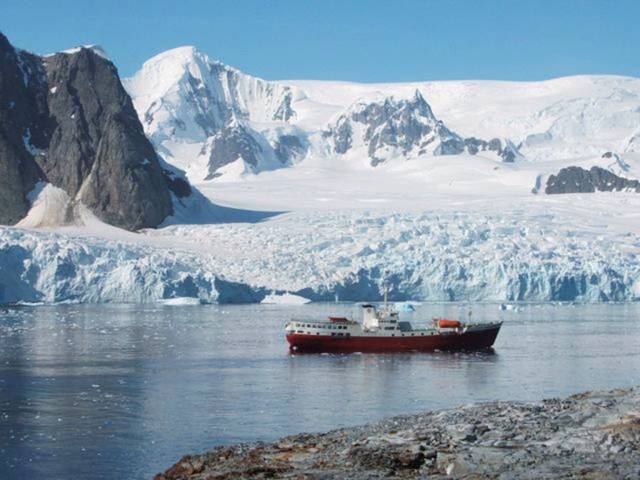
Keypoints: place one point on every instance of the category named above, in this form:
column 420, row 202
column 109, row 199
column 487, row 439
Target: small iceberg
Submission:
column 406, row 306
column 510, row 307
column 285, row 299
column 181, row 301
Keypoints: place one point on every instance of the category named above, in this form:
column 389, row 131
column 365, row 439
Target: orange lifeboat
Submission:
column 445, row 323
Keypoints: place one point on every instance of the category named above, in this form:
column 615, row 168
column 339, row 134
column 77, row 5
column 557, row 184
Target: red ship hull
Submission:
column 475, row 340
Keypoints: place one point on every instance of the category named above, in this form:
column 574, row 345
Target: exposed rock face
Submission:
column 290, row 147
column 71, row 123
column 229, row 145
column 580, row 180
column 285, row 111
column 24, row 129
column 393, row 127
column 505, row 150
column 589, row 435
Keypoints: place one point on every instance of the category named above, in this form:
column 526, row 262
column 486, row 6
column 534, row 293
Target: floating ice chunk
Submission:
column 405, row 307
column 285, row 299
column 181, row 301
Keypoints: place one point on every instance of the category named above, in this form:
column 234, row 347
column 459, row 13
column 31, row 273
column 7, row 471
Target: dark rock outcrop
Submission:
column 580, row 180
column 230, row 144
column 407, row 127
column 67, row 120
column 285, row 111
column 508, row 152
column 289, row 148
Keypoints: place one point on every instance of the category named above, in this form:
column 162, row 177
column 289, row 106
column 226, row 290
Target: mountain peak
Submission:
column 179, row 54
column 180, row 58
column 96, row 49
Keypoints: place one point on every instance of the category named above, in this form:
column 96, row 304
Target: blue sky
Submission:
column 368, row 41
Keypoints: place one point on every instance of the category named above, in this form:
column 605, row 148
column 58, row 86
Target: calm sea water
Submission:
column 124, row 391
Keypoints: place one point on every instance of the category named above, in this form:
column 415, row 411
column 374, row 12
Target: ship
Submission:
column 382, row 331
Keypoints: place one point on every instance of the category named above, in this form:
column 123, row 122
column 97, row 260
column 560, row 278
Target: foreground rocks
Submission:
column 593, row 435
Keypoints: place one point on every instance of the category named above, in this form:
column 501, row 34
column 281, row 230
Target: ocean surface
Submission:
column 123, row 391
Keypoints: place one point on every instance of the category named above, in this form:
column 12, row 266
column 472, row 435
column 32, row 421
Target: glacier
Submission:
column 45, row 267
column 527, row 255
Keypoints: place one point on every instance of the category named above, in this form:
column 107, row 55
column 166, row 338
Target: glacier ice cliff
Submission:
column 430, row 256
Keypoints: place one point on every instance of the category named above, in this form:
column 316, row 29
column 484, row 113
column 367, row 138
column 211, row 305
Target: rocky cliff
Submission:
column 65, row 119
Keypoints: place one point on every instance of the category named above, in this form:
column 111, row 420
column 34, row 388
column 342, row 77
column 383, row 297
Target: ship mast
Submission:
column 385, row 291
column 385, row 288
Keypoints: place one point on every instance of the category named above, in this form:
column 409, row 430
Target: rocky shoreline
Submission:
column 592, row 435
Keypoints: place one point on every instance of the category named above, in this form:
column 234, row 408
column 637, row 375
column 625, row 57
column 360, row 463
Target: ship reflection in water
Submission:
column 124, row 391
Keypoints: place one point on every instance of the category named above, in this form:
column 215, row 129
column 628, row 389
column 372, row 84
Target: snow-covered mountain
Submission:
column 208, row 118
column 558, row 119
column 216, row 122
column 391, row 127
